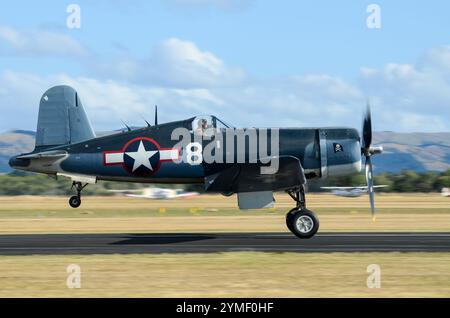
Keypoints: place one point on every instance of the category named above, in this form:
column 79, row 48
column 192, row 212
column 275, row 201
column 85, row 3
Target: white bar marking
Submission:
column 112, row 158
column 171, row 154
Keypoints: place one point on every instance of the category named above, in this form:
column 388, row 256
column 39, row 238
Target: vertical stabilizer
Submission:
column 62, row 119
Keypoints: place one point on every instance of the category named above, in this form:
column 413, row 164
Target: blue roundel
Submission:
column 141, row 157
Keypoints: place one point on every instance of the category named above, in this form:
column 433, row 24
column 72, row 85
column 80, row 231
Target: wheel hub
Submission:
column 304, row 224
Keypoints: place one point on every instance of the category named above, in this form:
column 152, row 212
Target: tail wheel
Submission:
column 75, row 201
column 303, row 223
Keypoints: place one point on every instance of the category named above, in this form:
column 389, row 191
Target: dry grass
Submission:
column 190, row 224
column 283, row 201
column 238, row 274
column 409, row 212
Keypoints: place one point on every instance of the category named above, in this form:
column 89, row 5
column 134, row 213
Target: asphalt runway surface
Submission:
column 45, row 244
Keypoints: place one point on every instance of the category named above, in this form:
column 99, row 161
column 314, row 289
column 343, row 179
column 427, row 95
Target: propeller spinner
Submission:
column 368, row 152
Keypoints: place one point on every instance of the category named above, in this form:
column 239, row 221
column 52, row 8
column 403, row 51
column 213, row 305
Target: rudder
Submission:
column 62, row 119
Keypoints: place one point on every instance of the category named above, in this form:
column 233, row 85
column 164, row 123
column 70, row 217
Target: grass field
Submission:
column 237, row 274
column 407, row 212
column 233, row 274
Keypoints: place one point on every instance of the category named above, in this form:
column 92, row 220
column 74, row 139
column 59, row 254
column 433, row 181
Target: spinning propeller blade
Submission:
column 368, row 151
column 367, row 130
column 369, row 179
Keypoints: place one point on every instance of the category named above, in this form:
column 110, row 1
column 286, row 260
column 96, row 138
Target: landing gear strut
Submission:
column 75, row 201
column 300, row 221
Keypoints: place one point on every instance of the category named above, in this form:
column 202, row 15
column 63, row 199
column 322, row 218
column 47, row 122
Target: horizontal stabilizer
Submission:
column 45, row 154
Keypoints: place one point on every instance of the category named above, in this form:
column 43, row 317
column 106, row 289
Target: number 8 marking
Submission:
column 194, row 157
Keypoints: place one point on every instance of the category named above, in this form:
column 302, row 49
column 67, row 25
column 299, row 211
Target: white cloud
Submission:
column 107, row 102
column 184, row 81
column 39, row 43
column 412, row 97
column 437, row 61
column 181, row 63
column 174, row 63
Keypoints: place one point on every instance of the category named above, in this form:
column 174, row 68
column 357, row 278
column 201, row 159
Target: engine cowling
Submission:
column 340, row 152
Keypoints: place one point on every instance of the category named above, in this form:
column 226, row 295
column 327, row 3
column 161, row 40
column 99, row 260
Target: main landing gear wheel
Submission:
column 289, row 216
column 302, row 222
column 75, row 201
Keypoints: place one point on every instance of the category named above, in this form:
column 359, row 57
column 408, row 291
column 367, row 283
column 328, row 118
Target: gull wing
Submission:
column 247, row 177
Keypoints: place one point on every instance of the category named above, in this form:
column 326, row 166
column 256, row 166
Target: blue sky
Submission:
column 253, row 62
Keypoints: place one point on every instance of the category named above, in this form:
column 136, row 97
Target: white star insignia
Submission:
column 141, row 157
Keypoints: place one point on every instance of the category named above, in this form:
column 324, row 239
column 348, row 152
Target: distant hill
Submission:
column 413, row 151
column 13, row 143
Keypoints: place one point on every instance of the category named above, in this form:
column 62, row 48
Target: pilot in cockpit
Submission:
column 202, row 126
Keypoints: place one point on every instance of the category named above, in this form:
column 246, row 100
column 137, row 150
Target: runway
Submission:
column 45, row 244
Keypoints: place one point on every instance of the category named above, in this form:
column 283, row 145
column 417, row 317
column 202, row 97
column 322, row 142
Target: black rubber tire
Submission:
column 75, row 201
column 289, row 215
column 292, row 220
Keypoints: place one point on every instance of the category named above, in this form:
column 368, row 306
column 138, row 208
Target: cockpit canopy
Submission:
column 200, row 124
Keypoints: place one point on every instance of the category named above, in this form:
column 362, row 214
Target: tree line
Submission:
column 404, row 181
column 20, row 183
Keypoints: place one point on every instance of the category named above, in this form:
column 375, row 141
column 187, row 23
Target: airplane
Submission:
column 251, row 163
column 351, row 192
column 445, row 192
column 156, row 193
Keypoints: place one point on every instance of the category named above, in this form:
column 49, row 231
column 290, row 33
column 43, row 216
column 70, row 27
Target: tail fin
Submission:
column 62, row 119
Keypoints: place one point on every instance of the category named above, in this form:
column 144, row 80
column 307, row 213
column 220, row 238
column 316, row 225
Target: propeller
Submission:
column 369, row 151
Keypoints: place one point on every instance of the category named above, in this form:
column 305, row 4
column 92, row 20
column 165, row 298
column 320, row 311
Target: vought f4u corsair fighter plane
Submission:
column 253, row 163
